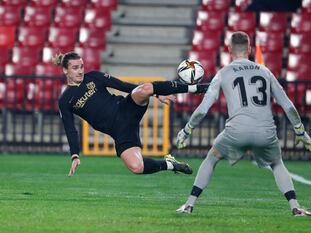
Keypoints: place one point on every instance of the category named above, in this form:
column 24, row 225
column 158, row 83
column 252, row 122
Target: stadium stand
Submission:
column 32, row 31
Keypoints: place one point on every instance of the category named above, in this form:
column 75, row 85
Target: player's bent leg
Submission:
column 133, row 160
column 138, row 164
column 141, row 94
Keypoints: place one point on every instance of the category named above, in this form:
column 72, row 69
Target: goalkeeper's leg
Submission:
column 284, row 183
column 202, row 179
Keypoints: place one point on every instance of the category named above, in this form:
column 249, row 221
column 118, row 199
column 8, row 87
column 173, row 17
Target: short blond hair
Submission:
column 239, row 42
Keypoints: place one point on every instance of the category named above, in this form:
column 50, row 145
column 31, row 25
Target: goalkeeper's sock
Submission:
column 291, row 198
column 153, row 165
column 203, row 177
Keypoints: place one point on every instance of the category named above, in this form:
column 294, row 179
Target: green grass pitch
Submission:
column 37, row 196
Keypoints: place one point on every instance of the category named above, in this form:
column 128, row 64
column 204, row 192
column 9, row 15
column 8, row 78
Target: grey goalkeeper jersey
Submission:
column 248, row 88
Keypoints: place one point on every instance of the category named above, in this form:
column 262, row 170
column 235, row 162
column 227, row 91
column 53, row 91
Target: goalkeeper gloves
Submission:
column 182, row 136
column 302, row 136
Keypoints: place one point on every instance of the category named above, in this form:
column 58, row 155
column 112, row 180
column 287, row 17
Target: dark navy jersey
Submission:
column 93, row 103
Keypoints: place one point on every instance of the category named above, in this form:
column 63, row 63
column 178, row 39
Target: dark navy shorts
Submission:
column 126, row 125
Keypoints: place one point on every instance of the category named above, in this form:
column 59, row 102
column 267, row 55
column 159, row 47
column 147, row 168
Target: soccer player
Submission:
column 86, row 95
column 248, row 88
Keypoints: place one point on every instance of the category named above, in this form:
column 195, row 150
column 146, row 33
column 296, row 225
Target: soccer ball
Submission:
column 190, row 71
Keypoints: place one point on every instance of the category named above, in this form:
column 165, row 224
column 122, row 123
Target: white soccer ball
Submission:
column 190, row 71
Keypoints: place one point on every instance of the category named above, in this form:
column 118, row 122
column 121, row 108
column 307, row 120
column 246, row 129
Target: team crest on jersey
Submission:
column 91, row 85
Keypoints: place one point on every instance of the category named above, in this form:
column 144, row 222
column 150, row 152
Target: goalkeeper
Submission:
column 86, row 95
column 248, row 88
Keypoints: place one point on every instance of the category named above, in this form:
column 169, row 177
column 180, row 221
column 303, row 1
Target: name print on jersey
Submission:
column 248, row 67
column 91, row 91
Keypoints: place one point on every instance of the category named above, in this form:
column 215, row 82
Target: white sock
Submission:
column 169, row 165
column 192, row 88
column 293, row 203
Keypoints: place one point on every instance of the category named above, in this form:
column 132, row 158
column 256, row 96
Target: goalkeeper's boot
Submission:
column 178, row 166
column 185, row 209
column 299, row 212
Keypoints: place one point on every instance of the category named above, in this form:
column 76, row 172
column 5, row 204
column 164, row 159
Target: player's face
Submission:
column 75, row 72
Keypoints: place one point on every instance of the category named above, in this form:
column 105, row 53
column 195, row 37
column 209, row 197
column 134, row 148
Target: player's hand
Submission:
column 165, row 99
column 302, row 136
column 182, row 137
column 74, row 165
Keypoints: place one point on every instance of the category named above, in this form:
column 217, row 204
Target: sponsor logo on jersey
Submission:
column 89, row 93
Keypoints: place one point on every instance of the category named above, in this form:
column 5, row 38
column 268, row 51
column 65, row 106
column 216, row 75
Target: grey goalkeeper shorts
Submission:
column 232, row 145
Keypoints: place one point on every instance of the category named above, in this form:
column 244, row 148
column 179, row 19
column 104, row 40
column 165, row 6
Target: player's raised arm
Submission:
column 209, row 98
column 292, row 114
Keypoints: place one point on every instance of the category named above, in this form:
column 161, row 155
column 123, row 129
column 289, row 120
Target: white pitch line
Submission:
column 300, row 179
column 295, row 177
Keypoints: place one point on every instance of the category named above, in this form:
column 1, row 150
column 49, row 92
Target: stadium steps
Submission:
column 149, row 38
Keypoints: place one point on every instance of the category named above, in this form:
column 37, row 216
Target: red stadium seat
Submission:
column 48, row 70
column 37, row 16
column 301, row 23
column 273, row 61
column 7, row 36
column 92, row 37
column 62, row 38
column 300, row 43
column 111, row 4
column 186, row 102
column 68, row 17
column 91, row 57
column 207, row 59
column 44, row 94
column 98, row 18
column 32, row 36
column 26, row 56
column 225, row 58
column 14, row 96
column 206, row 40
column 17, row 69
column 210, row 20
column 270, row 41
column 44, row 3
column 298, row 67
column 241, row 5
column 242, row 21
column 273, row 21
column 49, row 52
column 306, row 6
column 4, row 58
column 15, row 3
column 10, row 15
column 216, row 5
column 74, row 3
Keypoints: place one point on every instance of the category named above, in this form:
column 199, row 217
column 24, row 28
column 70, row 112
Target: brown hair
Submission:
column 239, row 42
column 63, row 59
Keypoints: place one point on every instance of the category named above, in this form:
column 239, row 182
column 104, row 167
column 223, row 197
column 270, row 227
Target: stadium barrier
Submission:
column 154, row 128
